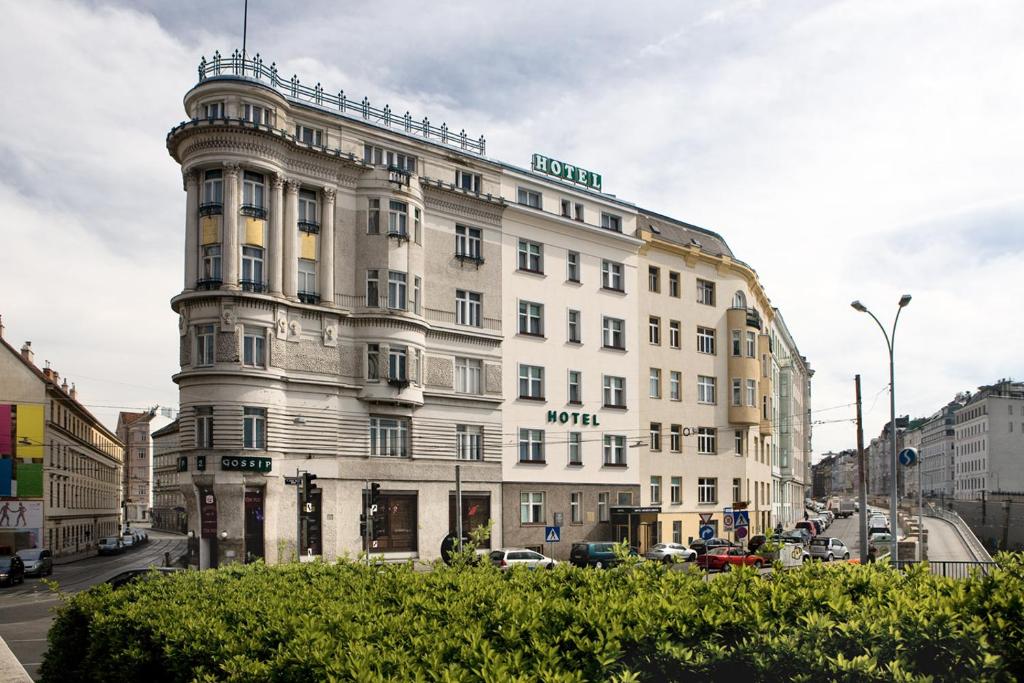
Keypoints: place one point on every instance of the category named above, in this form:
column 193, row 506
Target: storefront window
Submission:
column 476, row 510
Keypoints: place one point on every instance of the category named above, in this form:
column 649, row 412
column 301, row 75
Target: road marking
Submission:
column 28, row 640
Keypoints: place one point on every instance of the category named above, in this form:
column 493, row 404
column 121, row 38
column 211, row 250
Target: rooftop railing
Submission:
column 254, row 68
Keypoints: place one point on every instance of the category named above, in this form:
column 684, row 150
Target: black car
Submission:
column 140, row 573
column 12, row 570
column 756, row 542
column 599, row 554
column 702, row 546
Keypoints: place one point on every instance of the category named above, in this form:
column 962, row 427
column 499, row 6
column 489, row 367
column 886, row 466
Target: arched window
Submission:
column 739, row 300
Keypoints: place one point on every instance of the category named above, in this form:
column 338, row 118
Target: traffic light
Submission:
column 374, row 494
column 307, row 485
column 362, row 525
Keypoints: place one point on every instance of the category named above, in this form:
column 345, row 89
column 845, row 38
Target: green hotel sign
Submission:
column 566, row 171
column 245, row 464
column 565, row 417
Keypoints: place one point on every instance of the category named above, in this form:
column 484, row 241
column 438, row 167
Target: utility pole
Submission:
column 862, row 476
column 298, row 516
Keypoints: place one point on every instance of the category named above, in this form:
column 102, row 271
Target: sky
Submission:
column 846, row 150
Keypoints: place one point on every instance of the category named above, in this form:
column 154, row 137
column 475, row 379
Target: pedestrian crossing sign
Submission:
column 552, row 534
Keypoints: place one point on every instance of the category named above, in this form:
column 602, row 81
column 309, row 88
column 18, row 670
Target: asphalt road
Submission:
column 26, row 610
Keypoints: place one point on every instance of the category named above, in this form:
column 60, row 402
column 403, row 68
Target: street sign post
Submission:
column 707, row 532
column 292, row 481
column 908, row 456
column 740, row 518
column 741, row 532
column 727, row 519
column 552, row 534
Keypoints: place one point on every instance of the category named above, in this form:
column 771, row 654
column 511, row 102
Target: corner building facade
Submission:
column 370, row 298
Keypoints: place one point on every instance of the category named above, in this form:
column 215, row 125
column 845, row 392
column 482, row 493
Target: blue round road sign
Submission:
column 707, row 532
column 908, row 456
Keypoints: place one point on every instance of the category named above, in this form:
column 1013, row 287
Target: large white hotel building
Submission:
column 370, row 298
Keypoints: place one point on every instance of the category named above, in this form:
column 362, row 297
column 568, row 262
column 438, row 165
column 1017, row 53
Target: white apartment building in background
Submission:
column 989, row 442
column 369, row 298
column 938, row 451
column 791, row 452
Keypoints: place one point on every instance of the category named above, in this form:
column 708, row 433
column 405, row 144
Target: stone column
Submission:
column 274, row 259
column 191, row 230
column 291, row 240
column 326, row 274
column 230, row 251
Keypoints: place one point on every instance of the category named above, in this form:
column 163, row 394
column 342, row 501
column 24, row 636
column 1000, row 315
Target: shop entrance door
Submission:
column 254, row 525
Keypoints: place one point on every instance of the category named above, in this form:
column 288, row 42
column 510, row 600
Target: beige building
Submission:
column 169, row 512
column 59, row 466
column 136, row 476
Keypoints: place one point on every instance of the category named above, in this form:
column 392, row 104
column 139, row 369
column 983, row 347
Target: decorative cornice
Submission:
column 442, row 200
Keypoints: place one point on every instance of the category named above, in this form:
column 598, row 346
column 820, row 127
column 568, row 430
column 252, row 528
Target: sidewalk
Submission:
column 11, row 670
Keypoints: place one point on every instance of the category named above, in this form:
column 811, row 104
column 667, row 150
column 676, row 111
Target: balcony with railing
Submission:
column 399, row 175
column 399, row 235
column 253, row 210
column 450, row 318
column 311, row 227
column 211, row 209
column 252, row 68
column 309, row 297
column 475, row 259
column 209, row 283
column 253, row 286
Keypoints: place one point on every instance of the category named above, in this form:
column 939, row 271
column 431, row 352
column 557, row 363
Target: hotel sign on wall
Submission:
column 565, row 417
column 566, row 171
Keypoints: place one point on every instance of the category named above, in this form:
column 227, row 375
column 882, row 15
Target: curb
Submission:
column 11, row 670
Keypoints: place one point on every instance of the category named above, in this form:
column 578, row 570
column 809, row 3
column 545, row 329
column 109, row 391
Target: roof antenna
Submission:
column 245, row 26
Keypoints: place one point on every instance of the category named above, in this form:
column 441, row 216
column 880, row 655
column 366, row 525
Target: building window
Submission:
column 252, row 193
column 654, row 330
column 653, row 279
column 614, row 392
column 706, row 340
column 213, row 110
column 611, row 276
column 531, row 445
column 676, row 438
column 309, row 215
column 613, row 333
column 751, row 345
column 476, row 512
column 578, row 211
column 705, row 292
column 706, row 437
column 610, row 221
column 531, row 381
column 213, row 188
column 531, row 318
column 531, row 257
column 373, row 288
column 397, row 363
column 676, row 491
column 566, row 208
column 373, row 217
column 739, row 300
column 417, row 294
column 572, row 261
column 468, row 242
column 575, row 448
column 467, row 375
column 468, row 308
column 673, row 284
column 614, row 449
column 417, row 225
column 576, row 507
column 307, row 280
column 373, row 361
column 211, row 263
column 529, row 198
column 655, row 435
column 736, row 491
column 396, row 290
column 254, row 428
column 655, row 490
column 398, row 219
column 531, row 507
column 252, row 269
column 675, row 382
column 398, row 527
column 751, row 393
column 204, row 426
column 574, row 326
column 308, row 135
column 737, row 389
column 378, row 156
column 253, row 348
column 389, row 437
column 655, row 383
column 738, row 442
column 253, row 113
column 469, row 442
column 602, row 507
column 673, row 334
column 707, row 490
column 205, row 335
column 464, row 180
column 706, row 389
column 575, row 387
column 736, row 342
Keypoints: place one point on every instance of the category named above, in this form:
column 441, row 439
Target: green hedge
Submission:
column 349, row 622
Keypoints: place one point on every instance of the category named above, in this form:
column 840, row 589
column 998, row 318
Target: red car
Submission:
column 723, row 559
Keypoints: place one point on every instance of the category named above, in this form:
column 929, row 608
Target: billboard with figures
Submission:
column 21, row 524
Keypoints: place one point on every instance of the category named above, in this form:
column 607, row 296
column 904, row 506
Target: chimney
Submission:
column 64, row 385
column 26, row 352
column 73, row 393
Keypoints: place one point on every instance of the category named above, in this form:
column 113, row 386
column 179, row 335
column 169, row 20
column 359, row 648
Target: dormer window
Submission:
column 255, row 113
column 308, row 135
column 464, row 180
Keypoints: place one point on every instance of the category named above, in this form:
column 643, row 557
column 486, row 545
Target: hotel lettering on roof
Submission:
column 368, row 297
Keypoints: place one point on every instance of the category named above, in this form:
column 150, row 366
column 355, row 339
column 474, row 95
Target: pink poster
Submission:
column 5, row 430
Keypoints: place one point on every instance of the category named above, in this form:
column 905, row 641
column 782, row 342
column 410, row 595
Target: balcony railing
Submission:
column 309, row 297
column 476, row 259
column 382, row 301
column 211, row 209
column 254, row 68
column 209, row 283
column 753, row 318
column 400, row 235
column 399, row 382
column 398, row 175
column 312, row 227
column 253, row 210
column 450, row 318
column 252, row 286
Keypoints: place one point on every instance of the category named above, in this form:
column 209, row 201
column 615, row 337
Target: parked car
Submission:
column 724, row 559
column 38, row 561
column 128, row 539
column 819, row 525
column 599, row 554
column 12, row 570
column 827, row 548
column 798, row 535
column 756, row 542
column 140, row 573
column 701, row 546
column 878, row 524
column 111, row 545
column 506, row 558
column 671, row 552
column 808, row 526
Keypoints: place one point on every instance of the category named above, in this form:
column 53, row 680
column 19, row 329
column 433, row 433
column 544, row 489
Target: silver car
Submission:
column 827, row 548
column 671, row 552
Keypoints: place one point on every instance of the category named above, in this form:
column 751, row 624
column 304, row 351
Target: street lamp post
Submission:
column 890, row 341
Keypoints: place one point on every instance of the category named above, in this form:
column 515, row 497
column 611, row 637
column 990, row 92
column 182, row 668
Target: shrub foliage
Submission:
column 640, row 622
